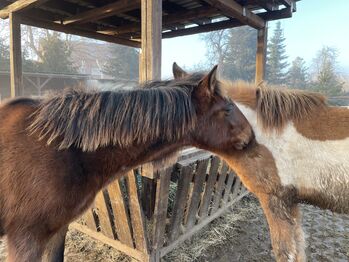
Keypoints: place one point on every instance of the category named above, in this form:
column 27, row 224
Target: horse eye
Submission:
column 229, row 109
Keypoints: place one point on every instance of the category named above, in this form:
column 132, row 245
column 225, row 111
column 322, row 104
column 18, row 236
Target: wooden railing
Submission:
column 188, row 196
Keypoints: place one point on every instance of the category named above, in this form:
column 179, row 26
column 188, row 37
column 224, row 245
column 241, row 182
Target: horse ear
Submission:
column 258, row 92
column 208, row 84
column 178, row 72
column 213, row 78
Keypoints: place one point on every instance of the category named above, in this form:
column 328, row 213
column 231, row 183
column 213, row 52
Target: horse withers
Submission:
column 58, row 151
column 301, row 155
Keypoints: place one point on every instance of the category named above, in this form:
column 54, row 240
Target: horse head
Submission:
column 221, row 127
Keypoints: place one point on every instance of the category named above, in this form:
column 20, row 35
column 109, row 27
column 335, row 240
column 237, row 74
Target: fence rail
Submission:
column 188, row 196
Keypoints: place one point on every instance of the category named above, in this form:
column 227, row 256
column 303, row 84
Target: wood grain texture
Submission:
column 121, row 219
column 207, row 196
column 161, row 203
column 137, row 217
column 15, row 56
column 185, row 177
column 199, row 179
column 103, row 215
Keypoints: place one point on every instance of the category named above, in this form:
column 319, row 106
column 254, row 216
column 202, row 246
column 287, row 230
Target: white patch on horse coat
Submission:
column 291, row 258
column 302, row 162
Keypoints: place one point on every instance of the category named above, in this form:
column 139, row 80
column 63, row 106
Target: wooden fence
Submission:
column 187, row 196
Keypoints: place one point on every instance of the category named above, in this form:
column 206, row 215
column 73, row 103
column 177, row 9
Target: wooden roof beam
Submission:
column 278, row 14
column 267, row 16
column 77, row 31
column 178, row 17
column 120, row 6
column 289, row 3
column 19, row 6
column 232, row 9
column 203, row 29
column 266, row 4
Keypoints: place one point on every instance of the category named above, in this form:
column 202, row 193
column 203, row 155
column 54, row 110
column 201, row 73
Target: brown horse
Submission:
column 301, row 155
column 57, row 152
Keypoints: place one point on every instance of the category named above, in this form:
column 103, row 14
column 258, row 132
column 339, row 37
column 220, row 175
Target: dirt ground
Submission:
column 240, row 235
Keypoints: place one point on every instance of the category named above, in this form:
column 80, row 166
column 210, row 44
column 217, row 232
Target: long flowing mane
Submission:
column 275, row 106
column 92, row 119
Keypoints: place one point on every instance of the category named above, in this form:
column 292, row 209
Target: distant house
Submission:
column 39, row 83
column 90, row 57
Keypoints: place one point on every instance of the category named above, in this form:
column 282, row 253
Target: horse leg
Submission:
column 282, row 228
column 23, row 248
column 299, row 235
column 55, row 248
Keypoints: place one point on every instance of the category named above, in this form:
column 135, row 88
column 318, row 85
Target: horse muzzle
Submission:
column 246, row 140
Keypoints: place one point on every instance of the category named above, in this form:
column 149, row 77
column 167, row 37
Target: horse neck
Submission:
column 251, row 116
column 109, row 163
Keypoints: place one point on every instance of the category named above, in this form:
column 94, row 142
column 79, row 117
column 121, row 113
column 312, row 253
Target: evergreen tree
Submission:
column 123, row 62
column 55, row 55
column 326, row 79
column 276, row 57
column 297, row 76
column 241, row 56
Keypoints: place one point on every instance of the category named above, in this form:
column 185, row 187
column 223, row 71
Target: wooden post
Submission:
column 261, row 54
column 150, row 69
column 151, row 40
column 15, row 56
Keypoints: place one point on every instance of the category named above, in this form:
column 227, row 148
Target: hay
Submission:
column 80, row 247
column 2, row 249
column 215, row 234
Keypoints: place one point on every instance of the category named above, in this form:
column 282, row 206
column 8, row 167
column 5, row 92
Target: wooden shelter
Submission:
column 140, row 24
column 131, row 216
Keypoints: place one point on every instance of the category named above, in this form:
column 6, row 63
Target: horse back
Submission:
column 331, row 123
column 14, row 115
column 14, row 112
column 31, row 171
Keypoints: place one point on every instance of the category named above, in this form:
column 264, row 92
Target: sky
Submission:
column 316, row 23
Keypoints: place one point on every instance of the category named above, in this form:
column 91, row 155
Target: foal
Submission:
column 301, row 156
column 57, row 152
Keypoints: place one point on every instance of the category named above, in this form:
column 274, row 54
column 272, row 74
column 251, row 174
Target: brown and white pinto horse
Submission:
column 301, row 156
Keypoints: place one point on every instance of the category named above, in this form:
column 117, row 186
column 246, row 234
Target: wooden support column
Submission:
column 150, row 69
column 15, row 56
column 151, row 40
column 261, row 54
